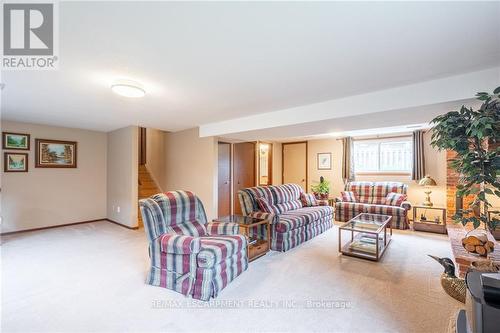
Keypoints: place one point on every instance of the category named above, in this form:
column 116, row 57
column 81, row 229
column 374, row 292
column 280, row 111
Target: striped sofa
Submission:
column 293, row 224
column 189, row 255
column 371, row 199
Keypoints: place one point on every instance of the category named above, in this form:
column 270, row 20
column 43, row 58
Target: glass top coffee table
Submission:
column 369, row 236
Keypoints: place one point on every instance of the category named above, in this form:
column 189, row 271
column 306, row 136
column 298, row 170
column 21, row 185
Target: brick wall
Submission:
column 452, row 178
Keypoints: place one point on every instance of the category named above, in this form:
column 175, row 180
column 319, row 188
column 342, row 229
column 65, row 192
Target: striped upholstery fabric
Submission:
column 292, row 224
column 215, row 250
column 266, row 206
column 308, row 200
column 348, row 196
column 222, row 228
column 394, row 199
column 371, row 198
column 185, row 256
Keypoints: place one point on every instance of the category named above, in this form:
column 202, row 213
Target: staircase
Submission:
column 147, row 187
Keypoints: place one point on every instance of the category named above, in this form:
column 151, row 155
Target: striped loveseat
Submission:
column 292, row 224
column 371, row 198
column 189, row 255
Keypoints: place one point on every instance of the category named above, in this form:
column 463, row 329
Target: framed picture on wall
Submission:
column 324, row 161
column 17, row 141
column 55, row 153
column 15, row 162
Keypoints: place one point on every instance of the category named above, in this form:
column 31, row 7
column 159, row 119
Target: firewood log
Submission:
column 470, row 247
column 481, row 250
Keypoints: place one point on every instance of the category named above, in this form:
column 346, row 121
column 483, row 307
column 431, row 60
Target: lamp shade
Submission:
column 427, row 181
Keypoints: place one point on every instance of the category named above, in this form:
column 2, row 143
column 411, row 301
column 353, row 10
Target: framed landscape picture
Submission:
column 324, row 161
column 18, row 141
column 15, row 162
column 55, row 154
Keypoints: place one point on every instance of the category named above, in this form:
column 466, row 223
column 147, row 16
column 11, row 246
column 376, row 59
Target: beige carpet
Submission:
column 91, row 278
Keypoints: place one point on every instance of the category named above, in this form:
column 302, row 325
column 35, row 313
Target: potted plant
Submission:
column 474, row 135
column 322, row 189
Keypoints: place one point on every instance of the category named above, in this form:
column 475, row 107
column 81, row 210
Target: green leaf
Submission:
column 496, row 91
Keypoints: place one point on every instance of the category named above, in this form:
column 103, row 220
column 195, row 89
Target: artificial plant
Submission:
column 323, row 187
column 474, row 136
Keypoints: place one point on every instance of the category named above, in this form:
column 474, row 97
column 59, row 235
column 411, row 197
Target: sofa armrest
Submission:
column 266, row 216
column 179, row 244
column 406, row 205
column 222, row 228
column 338, row 199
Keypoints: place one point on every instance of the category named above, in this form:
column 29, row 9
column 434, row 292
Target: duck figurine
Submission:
column 454, row 286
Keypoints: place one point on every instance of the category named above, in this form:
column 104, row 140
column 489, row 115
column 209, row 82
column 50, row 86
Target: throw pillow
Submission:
column 308, row 200
column 348, row 196
column 265, row 206
column 395, row 199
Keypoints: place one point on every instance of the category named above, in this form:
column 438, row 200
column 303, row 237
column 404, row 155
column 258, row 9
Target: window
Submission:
column 392, row 155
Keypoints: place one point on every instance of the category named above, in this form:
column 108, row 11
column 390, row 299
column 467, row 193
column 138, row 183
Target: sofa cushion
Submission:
column 216, row 249
column 375, row 192
column 395, row 199
column 348, row 196
column 385, row 210
column 189, row 228
column 285, row 193
column 290, row 205
column 297, row 218
column 308, row 200
column 267, row 207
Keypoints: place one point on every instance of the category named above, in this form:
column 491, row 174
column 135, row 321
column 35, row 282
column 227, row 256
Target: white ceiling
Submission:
column 206, row 62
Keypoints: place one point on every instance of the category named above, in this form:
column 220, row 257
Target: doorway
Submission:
column 142, row 145
column 244, row 170
column 294, row 156
column 224, row 179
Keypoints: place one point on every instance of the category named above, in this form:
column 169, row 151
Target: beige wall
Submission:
column 122, row 176
column 191, row 164
column 155, row 155
column 334, row 175
column 48, row 196
column 435, row 165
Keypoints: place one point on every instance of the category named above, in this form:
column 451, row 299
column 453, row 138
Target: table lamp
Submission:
column 427, row 182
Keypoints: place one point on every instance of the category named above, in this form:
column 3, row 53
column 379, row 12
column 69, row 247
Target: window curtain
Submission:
column 418, row 170
column 347, row 161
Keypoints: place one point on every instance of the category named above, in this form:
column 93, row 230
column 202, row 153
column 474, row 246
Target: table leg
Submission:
column 340, row 239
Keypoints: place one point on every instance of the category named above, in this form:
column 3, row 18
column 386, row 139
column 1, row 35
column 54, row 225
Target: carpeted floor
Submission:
column 91, row 278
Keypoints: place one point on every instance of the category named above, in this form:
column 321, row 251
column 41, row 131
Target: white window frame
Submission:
column 382, row 172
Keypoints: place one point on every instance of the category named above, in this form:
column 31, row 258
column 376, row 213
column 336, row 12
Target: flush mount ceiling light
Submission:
column 128, row 88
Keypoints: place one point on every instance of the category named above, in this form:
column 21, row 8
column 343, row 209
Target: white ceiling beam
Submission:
column 442, row 90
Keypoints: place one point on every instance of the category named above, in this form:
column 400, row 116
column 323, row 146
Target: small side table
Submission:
column 257, row 245
column 429, row 225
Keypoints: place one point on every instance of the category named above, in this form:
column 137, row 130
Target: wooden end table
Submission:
column 431, row 225
column 369, row 237
column 257, row 246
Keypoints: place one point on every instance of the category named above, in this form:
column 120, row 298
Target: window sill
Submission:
column 381, row 173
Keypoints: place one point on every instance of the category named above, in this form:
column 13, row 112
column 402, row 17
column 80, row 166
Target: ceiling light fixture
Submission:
column 128, row 88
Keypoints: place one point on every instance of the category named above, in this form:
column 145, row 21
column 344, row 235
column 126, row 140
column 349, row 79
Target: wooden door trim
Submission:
column 230, row 175
column 283, row 161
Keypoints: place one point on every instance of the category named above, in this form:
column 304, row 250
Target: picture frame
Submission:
column 55, row 153
column 15, row 162
column 324, row 161
column 15, row 141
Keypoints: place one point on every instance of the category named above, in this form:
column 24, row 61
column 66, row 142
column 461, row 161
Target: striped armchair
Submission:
column 371, row 198
column 189, row 255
